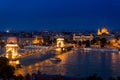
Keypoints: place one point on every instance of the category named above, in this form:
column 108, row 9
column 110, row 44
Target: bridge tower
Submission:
column 12, row 49
column 60, row 44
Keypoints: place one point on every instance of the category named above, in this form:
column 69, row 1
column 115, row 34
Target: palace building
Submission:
column 82, row 37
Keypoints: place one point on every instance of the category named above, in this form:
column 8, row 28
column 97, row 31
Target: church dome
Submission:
column 104, row 30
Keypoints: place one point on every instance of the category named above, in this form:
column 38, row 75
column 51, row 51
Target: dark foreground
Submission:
column 39, row 76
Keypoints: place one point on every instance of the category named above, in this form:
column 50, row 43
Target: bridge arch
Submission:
column 60, row 42
column 11, row 48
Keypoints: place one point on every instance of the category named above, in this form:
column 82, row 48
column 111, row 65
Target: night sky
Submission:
column 59, row 14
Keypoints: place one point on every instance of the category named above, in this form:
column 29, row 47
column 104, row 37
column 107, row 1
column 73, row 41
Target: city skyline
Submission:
column 59, row 15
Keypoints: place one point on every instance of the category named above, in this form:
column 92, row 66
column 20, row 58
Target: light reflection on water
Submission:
column 75, row 63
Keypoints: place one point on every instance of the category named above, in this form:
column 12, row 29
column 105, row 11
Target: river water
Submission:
column 74, row 63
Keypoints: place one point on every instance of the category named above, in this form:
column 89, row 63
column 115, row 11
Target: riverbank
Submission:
column 101, row 49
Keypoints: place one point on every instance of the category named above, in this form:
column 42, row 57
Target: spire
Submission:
column 98, row 32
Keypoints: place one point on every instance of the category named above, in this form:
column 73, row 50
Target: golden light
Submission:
column 60, row 42
column 104, row 30
column 118, row 41
column 14, row 63
column 36, row 41
column 17, row 62
column 11, row 48
column 99, row 32
column 115, row 43
column 11, row 51
column 118, row 52
column 58, row 49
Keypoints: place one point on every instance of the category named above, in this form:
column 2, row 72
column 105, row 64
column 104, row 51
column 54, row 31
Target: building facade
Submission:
column 82, row 37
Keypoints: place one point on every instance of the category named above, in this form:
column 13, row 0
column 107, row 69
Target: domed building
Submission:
column 38, row 40
column 104, row 30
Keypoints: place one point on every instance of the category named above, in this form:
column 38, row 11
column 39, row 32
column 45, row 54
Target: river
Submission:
column 74, row 63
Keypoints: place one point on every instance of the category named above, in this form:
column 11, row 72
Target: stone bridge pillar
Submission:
column 60, row 44
column 12, row 50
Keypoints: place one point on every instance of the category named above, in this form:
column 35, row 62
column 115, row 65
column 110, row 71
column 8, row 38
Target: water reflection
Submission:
column 76, row 63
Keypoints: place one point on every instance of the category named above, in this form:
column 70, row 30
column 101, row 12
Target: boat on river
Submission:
column 55, row 60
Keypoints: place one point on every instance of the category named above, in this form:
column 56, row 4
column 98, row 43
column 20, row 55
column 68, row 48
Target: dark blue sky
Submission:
column 59, row 14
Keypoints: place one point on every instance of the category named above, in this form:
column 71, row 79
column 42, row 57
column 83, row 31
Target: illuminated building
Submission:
column 82, row 37
column 115, row 43
column 38, row 40
column 104, row 30
column 99, row 32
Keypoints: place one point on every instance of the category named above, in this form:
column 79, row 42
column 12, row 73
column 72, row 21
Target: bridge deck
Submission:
column 32, row 52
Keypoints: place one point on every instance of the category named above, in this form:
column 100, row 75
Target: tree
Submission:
column 87, row 43
column 103, row 42
column 80, row 43
column 19, row 77
column 2, row 44
column 6, row 70
column 111, row 78
column 95, row 40
column 94, row 77
column 3, row 61
column 27, row 77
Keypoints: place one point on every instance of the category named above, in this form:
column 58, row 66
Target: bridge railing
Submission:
column 36, row 51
